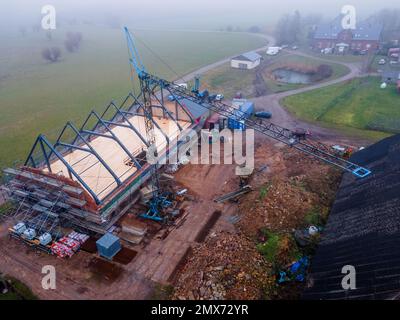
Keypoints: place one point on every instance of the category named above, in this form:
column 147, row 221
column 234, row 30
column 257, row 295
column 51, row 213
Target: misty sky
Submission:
column 205, row 14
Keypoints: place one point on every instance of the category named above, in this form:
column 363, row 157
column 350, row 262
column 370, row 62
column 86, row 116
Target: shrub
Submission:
column 51, row 54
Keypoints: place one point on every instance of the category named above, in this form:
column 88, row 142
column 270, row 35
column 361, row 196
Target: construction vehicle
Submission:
column 343, row 151
column 151, row 86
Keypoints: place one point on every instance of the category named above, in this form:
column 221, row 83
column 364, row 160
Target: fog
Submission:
column 160, row 14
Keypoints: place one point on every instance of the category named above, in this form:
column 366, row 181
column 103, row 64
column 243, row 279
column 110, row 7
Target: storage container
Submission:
column 108, row 246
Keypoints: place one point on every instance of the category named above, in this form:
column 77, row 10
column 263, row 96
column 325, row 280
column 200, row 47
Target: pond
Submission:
column 292, row 76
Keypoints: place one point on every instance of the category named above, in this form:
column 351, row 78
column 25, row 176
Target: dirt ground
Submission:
column 286, row 187
column 86, row 276
column 212, row 254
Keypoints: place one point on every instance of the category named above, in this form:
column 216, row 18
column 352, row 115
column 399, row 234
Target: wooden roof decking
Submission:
column 94, row 174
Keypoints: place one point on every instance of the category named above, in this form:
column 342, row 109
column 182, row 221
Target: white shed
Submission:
column 248, row 60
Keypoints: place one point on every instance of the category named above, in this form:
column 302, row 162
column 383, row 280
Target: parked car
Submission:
column 381, row 62
column 219, row 97
column 327, row 51
column 295, row 47
column 182, row 86
column 273, row 51
column 394, row 62
column 263, row 114
column 173, row 98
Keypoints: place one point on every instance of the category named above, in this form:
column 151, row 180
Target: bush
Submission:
column 6, row 208
column 323, row 71
column 279, row 249
column 269, row 249
column 20, row 289
column 51, row 54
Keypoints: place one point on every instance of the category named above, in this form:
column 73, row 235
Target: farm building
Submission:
column 246, row 61
column 90, row 176
column 363, row 231
column 366, row 37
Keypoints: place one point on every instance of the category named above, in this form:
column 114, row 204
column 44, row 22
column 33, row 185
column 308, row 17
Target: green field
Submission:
column 39, row 97
column 229, row 81
column 358, row 104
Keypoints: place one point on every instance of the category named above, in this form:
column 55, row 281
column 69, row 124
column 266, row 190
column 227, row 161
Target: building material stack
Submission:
column 133, row 230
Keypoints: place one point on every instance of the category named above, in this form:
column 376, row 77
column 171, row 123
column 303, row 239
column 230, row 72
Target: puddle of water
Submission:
column 292, row 77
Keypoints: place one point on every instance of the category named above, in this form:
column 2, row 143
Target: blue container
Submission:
column 247, row 108
column 108, row 246
column 234, row 124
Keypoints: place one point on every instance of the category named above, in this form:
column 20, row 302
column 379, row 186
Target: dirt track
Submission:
column 283, row 118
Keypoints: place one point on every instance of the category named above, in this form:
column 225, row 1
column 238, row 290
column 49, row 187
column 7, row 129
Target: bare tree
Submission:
column 289, row 28
column 51, row 54
column 73, row 41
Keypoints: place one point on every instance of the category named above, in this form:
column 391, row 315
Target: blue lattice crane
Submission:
column 158, row 201
column 150, row 84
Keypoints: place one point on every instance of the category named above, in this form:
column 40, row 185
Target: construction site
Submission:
column 117, row 226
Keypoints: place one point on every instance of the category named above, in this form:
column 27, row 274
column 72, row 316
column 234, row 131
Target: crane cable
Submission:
column 159, row 58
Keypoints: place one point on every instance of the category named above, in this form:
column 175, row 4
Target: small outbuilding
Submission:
column 246, row 61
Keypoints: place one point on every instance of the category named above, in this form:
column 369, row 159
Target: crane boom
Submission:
column 149, row 83
column 286, row 136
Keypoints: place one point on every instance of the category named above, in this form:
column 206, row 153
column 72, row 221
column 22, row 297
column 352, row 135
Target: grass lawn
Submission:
column 355, row 104
column 19, row 291
column 228, row 81
column 38, row 97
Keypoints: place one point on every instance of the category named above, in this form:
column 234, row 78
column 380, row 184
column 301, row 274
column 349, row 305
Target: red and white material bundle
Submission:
column 74, row 245
column 61, row 250
column 78, row 237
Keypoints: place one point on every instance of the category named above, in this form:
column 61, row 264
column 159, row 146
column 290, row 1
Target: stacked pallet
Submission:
column 69, row 245
column 133, row 230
